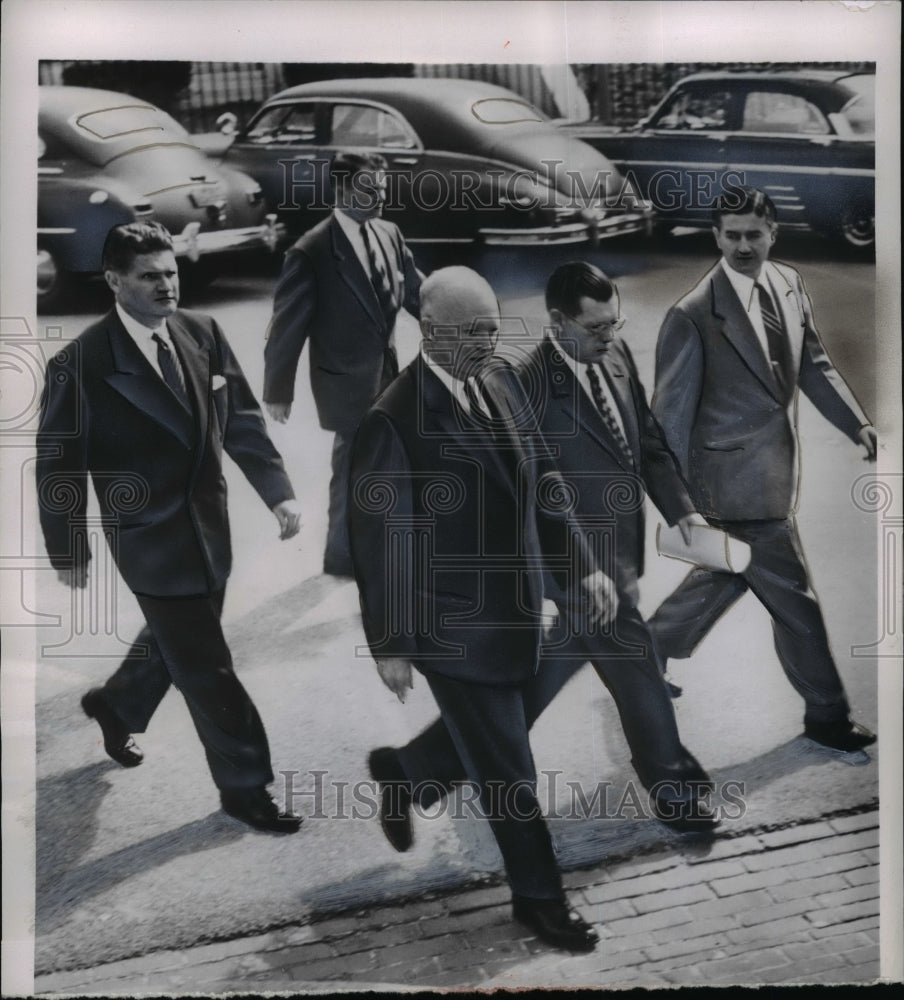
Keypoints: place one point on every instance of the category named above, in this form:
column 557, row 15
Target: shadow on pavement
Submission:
column 61, row 889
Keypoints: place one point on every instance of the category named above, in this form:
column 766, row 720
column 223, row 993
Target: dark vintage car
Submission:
column 806, row 137
column 467, row 162
column 106, row 158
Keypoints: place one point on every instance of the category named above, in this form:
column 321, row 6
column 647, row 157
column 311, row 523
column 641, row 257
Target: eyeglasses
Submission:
column 599, row 329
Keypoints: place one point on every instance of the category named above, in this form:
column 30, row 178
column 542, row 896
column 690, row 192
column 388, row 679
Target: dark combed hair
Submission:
column 124, row 243
column 572, row 281
column 739, row 200
column 345, row 165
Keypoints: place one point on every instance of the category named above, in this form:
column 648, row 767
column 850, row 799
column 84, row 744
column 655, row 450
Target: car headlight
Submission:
column 98, row 197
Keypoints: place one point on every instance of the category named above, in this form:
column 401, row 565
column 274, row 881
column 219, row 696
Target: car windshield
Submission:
column 860, row 111
column 128, row 127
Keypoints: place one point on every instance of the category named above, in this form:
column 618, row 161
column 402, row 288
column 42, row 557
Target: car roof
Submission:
column 417, row 99
column 782, row 75
column 66, row 101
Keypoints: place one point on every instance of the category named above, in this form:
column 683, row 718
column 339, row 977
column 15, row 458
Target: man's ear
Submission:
column 557, row 317
column 112, row 280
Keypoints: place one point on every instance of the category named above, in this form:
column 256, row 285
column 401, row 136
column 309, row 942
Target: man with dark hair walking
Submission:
column 341, row 289
column 731, row 357
column 153, row 395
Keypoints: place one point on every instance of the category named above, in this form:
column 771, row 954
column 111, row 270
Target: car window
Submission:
column 859, row 114
column 364, row 125
column 695, row 109
column 775, row 111
column 139, row 120
column 294, row 124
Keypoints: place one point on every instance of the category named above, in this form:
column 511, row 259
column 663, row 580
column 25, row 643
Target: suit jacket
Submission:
column 607, row 490
column 156, row 467
column 325, row 295
column 449, row 535
column 733, row 432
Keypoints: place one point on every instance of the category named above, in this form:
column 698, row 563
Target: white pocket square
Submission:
column 218, row 382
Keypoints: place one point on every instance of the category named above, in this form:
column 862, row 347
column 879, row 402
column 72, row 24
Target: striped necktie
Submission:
column 169, row 367
column 606, row 413
column 775, row 337
column 379, row 274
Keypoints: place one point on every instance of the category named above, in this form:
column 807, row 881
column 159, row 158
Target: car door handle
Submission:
column 404, row 159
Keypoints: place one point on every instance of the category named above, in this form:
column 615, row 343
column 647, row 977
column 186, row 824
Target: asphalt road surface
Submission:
column 134, row 861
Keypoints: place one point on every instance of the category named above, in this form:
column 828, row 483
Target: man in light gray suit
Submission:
column 731, row 356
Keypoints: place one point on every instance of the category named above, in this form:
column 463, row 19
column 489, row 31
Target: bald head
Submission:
column 459, row 319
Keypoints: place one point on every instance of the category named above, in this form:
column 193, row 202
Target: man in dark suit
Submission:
column 342, row 286
column 731, row 357
column 145, row 401
column 449, row 538
column 591, row 410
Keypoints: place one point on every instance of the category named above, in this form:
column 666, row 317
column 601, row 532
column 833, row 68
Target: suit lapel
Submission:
column 196, row 367
column 566, row 392
column 792, row 313
column 350, row 270
column 133, row 378
column 738, row 330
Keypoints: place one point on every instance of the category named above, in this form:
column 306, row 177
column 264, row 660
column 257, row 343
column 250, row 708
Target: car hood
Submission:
column 571, row 165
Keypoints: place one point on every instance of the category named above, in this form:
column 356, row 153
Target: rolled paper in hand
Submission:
column 709, row 547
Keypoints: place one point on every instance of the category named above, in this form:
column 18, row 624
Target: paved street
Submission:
column 140, row 869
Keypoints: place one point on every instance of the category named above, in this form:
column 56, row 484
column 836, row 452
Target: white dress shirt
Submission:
column 453, row 384
column 143, row 337
column 352, row 230
column 745, row 289
column 580, row 373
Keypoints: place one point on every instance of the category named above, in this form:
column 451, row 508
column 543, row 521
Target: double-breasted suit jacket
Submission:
column 731, row 428
column 324, row 295
column 157, row 467
column 459, row 590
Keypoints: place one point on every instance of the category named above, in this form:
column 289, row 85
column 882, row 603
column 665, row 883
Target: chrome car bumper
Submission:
column 195, row 244
column 592, row 228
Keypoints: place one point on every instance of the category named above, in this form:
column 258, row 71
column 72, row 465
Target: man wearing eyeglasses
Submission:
column 592, row 414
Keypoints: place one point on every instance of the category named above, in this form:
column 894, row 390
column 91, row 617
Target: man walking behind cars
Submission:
column 145, row 401
column 341, row 288
column 731, row 356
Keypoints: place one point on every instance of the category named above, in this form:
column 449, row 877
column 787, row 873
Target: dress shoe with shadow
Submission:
column 255, row 807
column 673, row 689
column 118, row 740
column 395, row 797
column 846, row 736
column 554, row 922
column 686, row 815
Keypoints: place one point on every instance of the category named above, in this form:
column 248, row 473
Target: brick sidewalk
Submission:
column 793, row 905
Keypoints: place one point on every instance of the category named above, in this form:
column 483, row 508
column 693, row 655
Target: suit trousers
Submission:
column 337, row 557
column 487, row 727
column 778, row 576
column 625, row 660
column 185, row 646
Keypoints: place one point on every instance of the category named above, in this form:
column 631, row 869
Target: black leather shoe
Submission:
column 673, row 689
column 686, row 816
column 395, row 797
column 555, row 923
column 255, row 807
column 846, row 735
column 118, row 740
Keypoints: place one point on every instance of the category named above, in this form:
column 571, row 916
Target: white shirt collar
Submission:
column 743, row 285
column 138, row 331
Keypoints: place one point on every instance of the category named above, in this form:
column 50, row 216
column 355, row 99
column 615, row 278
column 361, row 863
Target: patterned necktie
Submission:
column 607, row 414
column 379, row 275
column 775, row 337
column 170, row 369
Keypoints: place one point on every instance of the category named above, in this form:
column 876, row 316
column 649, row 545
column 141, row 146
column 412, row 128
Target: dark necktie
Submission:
column 606, row 413
column 775, row 337
column 379, row 274
column 169, row 369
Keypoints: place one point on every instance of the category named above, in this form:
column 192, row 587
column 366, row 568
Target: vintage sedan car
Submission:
column 806, row 137
column 106, row 158
column 467, row 162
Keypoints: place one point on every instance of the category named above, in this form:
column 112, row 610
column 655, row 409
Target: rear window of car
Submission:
column 365, row 125
column 779, row 111
column 859, row 114
column 139, row 120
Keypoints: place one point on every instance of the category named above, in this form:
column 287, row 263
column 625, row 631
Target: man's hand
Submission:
column 599, row 601
column 279, row 411
column 288, row 513
column 76, row 578
column 395, row 673
column 868, row 438
column 687, row 522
